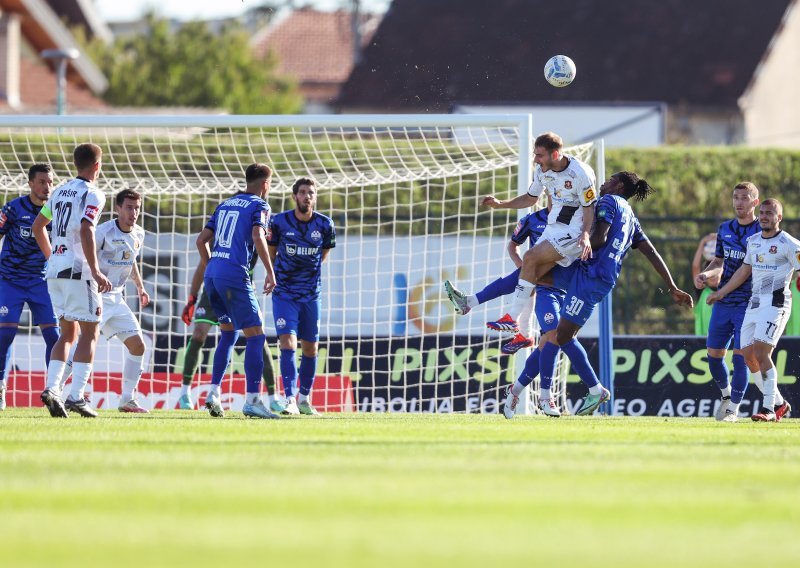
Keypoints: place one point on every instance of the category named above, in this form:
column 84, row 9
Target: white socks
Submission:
column 770, row 386
column 472, row 301
column 80, row 376
column 726, row 392
column 253, row 397
column 131, row 373
column 185, row 389
column 522, row 296
column 302, row 398
column 55, row 372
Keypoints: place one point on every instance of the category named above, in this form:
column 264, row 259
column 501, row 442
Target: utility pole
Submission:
column 61, row 58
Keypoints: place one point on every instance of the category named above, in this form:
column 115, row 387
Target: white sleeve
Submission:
column 95, row 201
column 748, row 252
column 793, row 252
column 536, row 187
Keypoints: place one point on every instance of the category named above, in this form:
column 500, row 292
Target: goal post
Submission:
column 404, row 193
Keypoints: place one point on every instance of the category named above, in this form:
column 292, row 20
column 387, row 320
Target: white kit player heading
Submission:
column 569, row 190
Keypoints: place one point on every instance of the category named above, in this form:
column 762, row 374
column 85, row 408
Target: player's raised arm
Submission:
column 678, row 296
column 519, row 202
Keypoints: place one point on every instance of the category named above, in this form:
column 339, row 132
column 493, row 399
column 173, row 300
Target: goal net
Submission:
column 404, row 193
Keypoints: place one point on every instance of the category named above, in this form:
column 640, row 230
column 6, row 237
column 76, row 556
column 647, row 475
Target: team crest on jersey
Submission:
column 3, row 311
column 98, row 312
column 291, row 250
column 797, row 255
column 136, row 244
column 126, row 255
column 25, row 232
column 568, row 184
column 588, row 195
column 549, row 318
column 280, row 323
column 316, row 235
column 773, row 249
column 90, row 212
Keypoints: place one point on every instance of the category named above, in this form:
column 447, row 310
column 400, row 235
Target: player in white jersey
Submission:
column 74, row 279
column 570, row 186
column 119, row 243
column 772, row 257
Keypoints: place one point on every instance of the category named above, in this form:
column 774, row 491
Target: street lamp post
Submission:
column 60, row 58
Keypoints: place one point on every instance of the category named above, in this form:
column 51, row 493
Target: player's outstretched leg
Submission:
column 457, row 298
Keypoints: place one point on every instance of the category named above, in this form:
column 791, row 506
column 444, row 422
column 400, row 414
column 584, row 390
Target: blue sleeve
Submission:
column 260, row 215
column 211, row 225
column 720, row 252
column 273, row 232
column 522, row 231
column 329, row 240
column 6, row 218
column 638, row 234
column 605, row 210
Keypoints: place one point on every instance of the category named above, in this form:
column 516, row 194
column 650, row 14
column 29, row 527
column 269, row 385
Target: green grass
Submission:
column 182, row 489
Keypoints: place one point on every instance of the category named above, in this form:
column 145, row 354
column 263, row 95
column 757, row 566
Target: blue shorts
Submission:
column 547, row 307
column 234, row 301
column 583, row 294
column 297, row 318
column 13, row 296
column 725, row 324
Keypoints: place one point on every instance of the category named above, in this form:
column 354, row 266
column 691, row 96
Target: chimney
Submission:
column 9, row 59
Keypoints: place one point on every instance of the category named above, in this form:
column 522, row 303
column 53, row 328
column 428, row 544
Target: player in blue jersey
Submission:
column 299, row 242
column 616, row 230
column 727, row 315
column 22, row 267
column 238, row 228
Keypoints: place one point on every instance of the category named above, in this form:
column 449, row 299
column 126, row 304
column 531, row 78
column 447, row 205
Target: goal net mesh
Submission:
column 405, row 201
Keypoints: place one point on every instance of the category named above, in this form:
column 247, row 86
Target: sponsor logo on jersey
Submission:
column 126, row 254
column 773, row 249
column 60, row 249
column 291, row 250
column 736, row 254
column 199, row 312
column 759, row 258
column 797, row 255
column 588, row 195
column 280, row 323
column 136, row 244
column 90, row 212
column 98, row 311
column 25, row 232
column 518, row 229
column 2, row 219
column 567, row 184
column 316, row 235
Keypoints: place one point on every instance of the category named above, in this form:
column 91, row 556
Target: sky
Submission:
column 117, row 10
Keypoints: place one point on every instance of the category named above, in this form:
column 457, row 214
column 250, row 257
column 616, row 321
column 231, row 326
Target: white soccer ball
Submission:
column 559, row 70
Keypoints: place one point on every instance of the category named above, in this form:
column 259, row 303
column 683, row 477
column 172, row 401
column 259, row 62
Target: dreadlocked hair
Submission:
column 635, row 186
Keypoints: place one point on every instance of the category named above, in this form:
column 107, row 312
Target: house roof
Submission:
column 82, row 13
column 38, row 92
column 428, row 55
column 313, row 46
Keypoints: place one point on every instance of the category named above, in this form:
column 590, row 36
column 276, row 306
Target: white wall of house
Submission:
column 770, row 106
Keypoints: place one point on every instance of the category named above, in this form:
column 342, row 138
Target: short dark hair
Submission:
column 752, row 189
column 126, row 194
column 39, row 169
column 550, row 141
column 86, row 155
column 634, row 185
column 257, row 172
column 775, row 203
column 302, row 181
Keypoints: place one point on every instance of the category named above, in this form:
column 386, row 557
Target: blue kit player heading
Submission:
column 299, row 242
column 616, row 230
column 238, row 229
column 22, row 267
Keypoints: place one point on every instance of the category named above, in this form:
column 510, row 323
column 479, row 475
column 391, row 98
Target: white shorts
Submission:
column 75, row 300
column 564, row 239
column 118, row 319
column 764, row 323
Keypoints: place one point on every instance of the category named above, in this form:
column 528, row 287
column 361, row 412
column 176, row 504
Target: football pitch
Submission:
column 182, row 489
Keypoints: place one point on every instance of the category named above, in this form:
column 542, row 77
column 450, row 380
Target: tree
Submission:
column 192, row 66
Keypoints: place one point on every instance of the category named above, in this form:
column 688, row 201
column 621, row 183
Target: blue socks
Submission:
column 547, row 364
column 222, row 355
column 741, row 376
column 7, row 335
column 719, row 371
column 50, row 336
column 254, row 362
column 531, row 369
column 500, row 287
column 580, row 362
column 308, row 370
column 288, row 366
